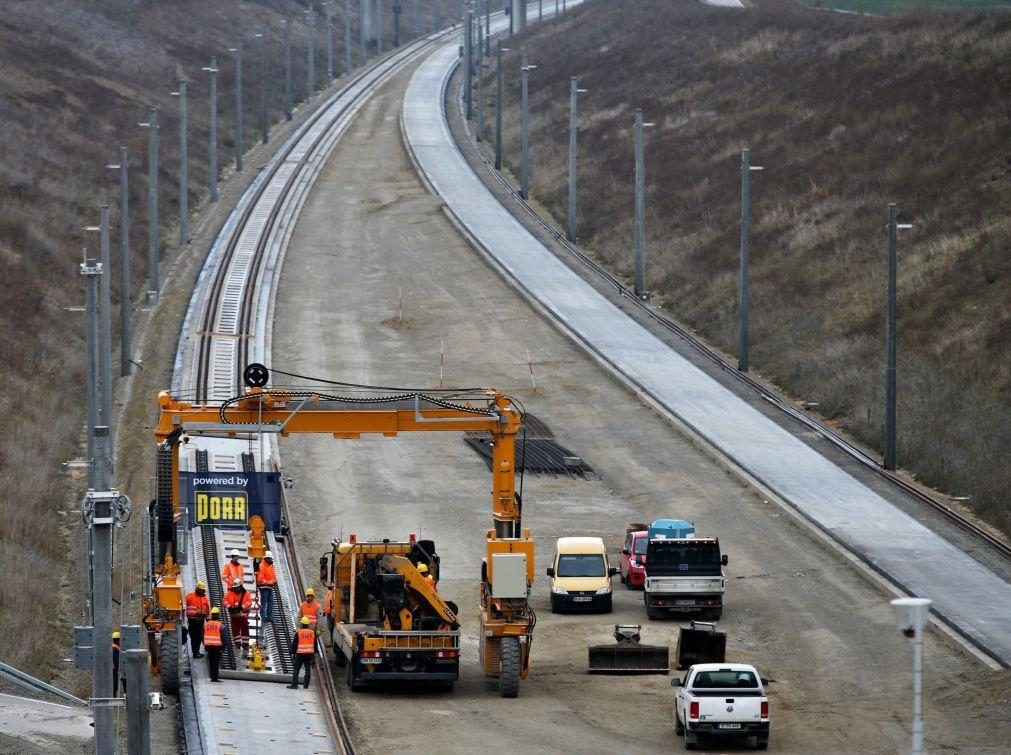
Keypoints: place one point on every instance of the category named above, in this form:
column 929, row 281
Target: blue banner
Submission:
column 229, row 499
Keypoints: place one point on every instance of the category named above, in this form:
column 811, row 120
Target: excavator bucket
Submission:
column 627, row 655
column 701, row 642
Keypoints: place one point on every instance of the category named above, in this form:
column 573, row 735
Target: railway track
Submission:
column 227, row 324
column 784, row 406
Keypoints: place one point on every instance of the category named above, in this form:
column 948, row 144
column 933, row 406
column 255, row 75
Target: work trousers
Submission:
column 240, row 630
column 196, row 631
column 213, row 662
column 266, row 603
column 302, row 661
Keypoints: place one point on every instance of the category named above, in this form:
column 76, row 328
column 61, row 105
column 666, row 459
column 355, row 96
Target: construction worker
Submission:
column 328, row 610
column 266, row 581
column 423, row 571
column 310, row 608
column 213, row 642
column 233, row 570
column 198, row 609
column 303, row 650
column 237, row 602
column 116, row 679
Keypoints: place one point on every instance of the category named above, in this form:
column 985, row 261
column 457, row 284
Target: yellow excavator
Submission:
column 507, row 572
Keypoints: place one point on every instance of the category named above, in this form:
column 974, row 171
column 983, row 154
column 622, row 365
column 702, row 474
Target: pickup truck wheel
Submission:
column 509, row 678
column 691, row 740
column 761, row 743
column 679, row 728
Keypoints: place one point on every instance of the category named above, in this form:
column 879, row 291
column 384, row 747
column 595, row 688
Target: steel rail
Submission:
column 1001, row 546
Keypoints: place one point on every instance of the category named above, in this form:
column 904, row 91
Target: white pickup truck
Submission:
column 685, row 575
column 721, row 700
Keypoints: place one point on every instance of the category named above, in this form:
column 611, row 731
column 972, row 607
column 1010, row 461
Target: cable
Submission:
column 324, row 381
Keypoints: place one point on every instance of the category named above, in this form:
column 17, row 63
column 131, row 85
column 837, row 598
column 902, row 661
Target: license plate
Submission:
column 729, row 726
column 582, row 599
column 684, row 602
column 371, row 661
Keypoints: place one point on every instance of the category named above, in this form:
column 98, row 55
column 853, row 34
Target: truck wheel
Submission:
column 353, row 684
column 679, row 728
column 761, row 743
column 509, row 679
column 168, row 661
column 338, row 657
column 652, row 613
column 691, row 740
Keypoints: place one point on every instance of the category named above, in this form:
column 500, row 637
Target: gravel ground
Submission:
column 794, row 608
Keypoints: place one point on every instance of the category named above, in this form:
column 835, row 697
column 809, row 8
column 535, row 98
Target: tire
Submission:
column 509, row 678
column 338, row 657
column 353, row 684
column 168, row 661
column 691, row 740
column 652, row 613
column 609, row 605
column 679, row 728
column 554, row 605
column 623, row 580
column 761, row 743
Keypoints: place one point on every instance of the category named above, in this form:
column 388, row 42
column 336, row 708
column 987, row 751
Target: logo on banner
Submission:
column 226, row 507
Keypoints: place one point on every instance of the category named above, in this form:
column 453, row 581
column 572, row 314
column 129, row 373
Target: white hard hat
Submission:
column 233, row 553
column 268, row 554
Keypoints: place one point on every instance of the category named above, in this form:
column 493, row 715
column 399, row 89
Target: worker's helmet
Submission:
column 423, row 568
column 305, row 621
column 236, row 583
column 310, row 592
column 233, row 553
column 215, row 611
column 115, row 635
column 268, row 554
column 201, row 586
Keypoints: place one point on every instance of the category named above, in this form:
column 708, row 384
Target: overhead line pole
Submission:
column 640, row 208
column 238, row 105
column 287, row 69
column 525, row 69
column 329, row 41
column 213, row 161
column 574, row 92
column 362, row 46
column 124, row 262
column 152, row 205
column 347, row 37
column 498, row 103
column 105, row 307
column 264, row 124
column 468, row 70
column 744, row 299
column 891, row 424
column 184, row 180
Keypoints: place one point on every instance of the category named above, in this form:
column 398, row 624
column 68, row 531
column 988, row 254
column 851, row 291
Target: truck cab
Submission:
column 721, row 700
column 580, row 575
column 685, row 575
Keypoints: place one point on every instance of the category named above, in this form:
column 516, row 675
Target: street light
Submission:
column 640, row 208
column 212, row 69
column 184, row 181
column 911, row 618
column 238, row 104
column 574, row 91
column 499, row 49
column 264, row 127
column 124, row 263
column 525, row 69
column 152, row 204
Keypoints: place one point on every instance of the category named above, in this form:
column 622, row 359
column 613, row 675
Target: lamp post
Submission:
column 468, row 69
column 310, row 54
column 238, row 104
column 744, row 293
column 125, row 363
column 152, row 205
column 329, row 42
column 640, row 208
column 287, row 69
column 890, row 338
column 213, row 161
column 264, row 125
column 525, row 69
column 911, row 617
column 347, row 37
column 184, row 179
column 499, row 49
column 574, row 92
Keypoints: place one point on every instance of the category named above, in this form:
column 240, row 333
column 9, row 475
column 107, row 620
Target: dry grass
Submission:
column 847, row 114
column 77, row 77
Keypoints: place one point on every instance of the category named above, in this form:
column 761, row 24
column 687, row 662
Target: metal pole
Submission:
column 480, row 83
column 153, row 285
column 498, row 105
column 540, row 10
column 264, row 125
column 213, row 70
column 138, row 715
column 125, row 366
column 573, row 119
column 640, row 209
column 239, row 147
column 890, row 342
column 918, row 690
column 487, row 28
column 287, row 69
column 105, row 323
column 184, row 180
column 91, row 271
column 468, row 70
column 362, row 48
column 329, row 43
column 310, row 54
column 744, row 303
column 379, row 27
column 101, row 539
column 415, row 21
column 525, row 131
column 347, row 36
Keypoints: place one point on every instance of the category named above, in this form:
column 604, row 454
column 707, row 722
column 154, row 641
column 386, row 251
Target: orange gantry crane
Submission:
column 507, row 571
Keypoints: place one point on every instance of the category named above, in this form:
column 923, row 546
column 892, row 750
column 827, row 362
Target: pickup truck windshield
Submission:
column 678, row 558
column 725, row 680
column 639, row 549
column 580, row 565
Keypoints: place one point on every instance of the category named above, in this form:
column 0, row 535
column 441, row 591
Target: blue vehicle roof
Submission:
column 670, row 528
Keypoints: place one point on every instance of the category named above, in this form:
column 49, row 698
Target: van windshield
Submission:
column 580, row 565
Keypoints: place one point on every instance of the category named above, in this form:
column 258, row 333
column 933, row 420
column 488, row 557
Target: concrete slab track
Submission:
column 967, row 595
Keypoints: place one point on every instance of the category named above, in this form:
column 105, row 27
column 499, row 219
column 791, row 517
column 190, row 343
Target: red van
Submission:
column 632, row 563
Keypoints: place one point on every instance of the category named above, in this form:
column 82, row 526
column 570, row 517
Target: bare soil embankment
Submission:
column 846, row 114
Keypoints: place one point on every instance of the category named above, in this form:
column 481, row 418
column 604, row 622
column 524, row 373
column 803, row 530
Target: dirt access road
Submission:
column 795, row 609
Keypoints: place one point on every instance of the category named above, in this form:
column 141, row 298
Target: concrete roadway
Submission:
column 794, row 608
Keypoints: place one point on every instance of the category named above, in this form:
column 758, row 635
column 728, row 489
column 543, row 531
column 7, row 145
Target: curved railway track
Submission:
column 1000, row 546
column 221, row 333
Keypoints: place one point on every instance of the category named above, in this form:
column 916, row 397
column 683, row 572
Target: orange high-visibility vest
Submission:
column 311, row 610
column 197, row 606
column 232, row 572
column 212, row 634
column 232, row 600
column 328, row 603
column 266, row 576
column 306, row 642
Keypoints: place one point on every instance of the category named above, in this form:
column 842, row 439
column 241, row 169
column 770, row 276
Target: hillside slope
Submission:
column 846, row 114
column 76, row 79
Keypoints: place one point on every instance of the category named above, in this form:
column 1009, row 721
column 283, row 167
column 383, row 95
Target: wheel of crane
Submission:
column 509, row 679
column 168, row 661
